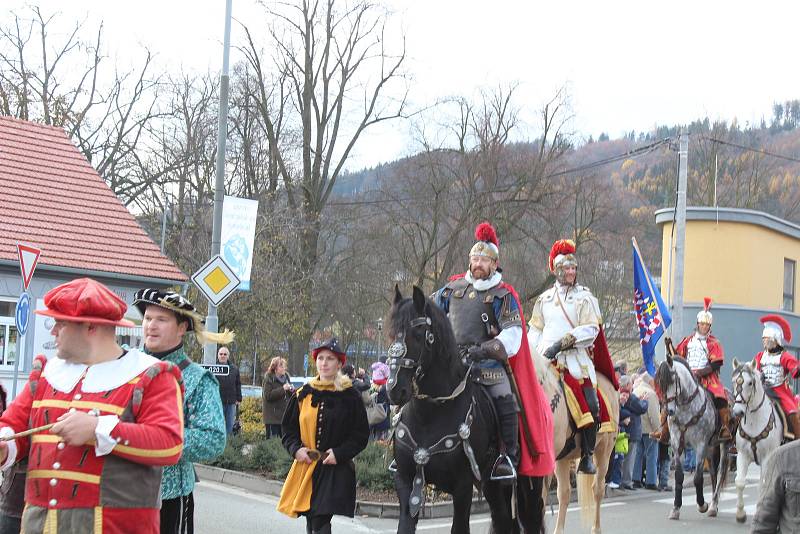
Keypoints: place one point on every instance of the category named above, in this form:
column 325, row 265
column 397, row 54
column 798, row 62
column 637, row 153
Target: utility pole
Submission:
column 680, row 237
column 212, row 322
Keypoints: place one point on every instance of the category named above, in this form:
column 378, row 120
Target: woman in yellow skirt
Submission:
column 324, row 428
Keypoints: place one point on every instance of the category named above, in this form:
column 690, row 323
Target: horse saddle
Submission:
column 776, row 402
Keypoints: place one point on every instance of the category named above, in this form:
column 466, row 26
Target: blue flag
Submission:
column 652, row 315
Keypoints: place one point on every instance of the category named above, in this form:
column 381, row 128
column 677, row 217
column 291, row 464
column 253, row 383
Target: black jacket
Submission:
column 230, row 387
column 342, row 426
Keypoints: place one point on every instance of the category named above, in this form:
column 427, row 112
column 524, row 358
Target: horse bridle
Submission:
column 679, row 390
column 396, row 355
column 738, row 395
column 398, row 360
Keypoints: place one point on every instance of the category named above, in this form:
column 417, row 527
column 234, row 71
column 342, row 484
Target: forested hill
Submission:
column 745, row 166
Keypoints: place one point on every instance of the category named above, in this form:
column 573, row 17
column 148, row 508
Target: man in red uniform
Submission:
column 116, row 420
column 705, row 357
column 777, row 366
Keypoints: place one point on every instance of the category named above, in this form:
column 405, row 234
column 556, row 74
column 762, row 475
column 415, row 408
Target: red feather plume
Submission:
column 485, row 232
column 783, row 323
column 706, row 303
column 562, row 247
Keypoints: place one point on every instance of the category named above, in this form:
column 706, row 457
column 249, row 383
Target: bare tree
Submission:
column 329, row 79
column 68, row 82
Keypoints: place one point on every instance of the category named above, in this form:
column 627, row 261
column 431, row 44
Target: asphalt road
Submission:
column 224, row 509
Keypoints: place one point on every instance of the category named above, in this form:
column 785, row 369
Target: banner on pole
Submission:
column 238, row 234
column 652, row 315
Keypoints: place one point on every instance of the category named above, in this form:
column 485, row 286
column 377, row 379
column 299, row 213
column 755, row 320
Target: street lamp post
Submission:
column 379, row 323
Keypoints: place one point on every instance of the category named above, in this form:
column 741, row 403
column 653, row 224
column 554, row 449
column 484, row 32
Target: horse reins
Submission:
column 695, row 418
column 739, row 397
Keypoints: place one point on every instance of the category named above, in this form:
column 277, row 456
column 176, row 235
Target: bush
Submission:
column 249, row 451
column 251, row 418
column 371, row 467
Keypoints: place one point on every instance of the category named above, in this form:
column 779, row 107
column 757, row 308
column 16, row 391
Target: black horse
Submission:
column 446, row 434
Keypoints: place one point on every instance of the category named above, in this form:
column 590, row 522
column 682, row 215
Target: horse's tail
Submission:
column 585, row 486
column 724, row 466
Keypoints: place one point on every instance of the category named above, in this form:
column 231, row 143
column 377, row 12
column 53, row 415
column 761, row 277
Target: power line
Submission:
column 752, row 149
column 581, row 168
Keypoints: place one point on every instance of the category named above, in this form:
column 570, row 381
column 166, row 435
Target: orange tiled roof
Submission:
column 52, row 198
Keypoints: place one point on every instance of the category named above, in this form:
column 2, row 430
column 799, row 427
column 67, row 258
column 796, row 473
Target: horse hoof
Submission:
column 675, row 514
column 712, row 512
column 702, row 508
column 741, row 518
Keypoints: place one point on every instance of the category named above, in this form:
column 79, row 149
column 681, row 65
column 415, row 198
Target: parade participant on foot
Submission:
column 488, row 326
column 324, row 428
column 115, row 415
column 703, row 352
column 230, row 388
column 778, row 366
column 168, row 316
column 565, row 327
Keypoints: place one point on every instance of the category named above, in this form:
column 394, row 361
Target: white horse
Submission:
column 760, row 426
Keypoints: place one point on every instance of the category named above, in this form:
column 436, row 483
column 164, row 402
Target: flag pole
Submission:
column 667, row 340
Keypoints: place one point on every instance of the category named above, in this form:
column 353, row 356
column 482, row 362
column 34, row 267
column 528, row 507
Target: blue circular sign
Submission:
column 23, row 313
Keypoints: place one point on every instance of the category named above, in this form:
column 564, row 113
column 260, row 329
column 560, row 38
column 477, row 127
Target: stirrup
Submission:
column 501, row 459
column 393, row 466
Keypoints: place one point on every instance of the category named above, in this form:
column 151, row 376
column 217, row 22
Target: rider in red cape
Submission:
column 487, row 322
column 777, row 365
column 535, row 405
column 703, row 352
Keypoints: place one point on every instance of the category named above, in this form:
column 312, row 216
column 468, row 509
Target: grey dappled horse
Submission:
column 692, row 422
column 760, row 426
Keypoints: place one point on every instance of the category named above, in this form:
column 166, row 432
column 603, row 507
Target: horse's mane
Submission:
column 664, row 373
column 404, row 312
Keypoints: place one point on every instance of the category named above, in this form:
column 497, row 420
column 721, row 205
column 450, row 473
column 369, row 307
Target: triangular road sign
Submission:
column 28, row 257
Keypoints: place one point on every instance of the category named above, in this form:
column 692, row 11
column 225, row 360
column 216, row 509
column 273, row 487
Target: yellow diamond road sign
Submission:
column 216, row 280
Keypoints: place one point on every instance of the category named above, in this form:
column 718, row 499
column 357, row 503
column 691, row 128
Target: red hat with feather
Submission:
column 487, row 244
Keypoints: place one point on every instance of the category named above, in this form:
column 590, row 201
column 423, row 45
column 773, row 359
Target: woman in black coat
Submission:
column 324, row 428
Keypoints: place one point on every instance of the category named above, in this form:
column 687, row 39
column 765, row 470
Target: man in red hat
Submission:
column 111, row 420
column 778, row 366
column 565, row 327
column 703, row 352
column 490, row 330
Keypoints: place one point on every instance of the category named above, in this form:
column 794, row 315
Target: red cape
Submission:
column 602, row 358
column 535, row 405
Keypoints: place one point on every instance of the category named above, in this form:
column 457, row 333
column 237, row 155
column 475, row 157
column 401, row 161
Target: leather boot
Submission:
column 794, row 424
column 505, row 467
column 308, row 525
column 324, row 530
column 588, row 441
column 724, row 424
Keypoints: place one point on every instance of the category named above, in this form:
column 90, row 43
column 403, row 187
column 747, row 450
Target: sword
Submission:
column 526, row 432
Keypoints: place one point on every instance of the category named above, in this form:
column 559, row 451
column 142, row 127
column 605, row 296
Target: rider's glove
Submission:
column 552, row 351
column 568, row 341
column 477, row 353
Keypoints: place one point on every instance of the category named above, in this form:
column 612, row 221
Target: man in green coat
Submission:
column 168, row 316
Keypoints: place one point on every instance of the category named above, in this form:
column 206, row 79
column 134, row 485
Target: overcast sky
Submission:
column 627, row 64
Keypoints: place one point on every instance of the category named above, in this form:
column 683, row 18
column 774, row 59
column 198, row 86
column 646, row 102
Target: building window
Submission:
column 8, row 333
column 788, row 285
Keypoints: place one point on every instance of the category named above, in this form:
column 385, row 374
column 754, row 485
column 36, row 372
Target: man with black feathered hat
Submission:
column 168, row 316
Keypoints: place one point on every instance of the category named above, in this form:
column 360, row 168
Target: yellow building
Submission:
column 746, row 261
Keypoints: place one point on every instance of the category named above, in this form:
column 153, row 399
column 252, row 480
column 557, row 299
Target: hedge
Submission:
column 250, row 451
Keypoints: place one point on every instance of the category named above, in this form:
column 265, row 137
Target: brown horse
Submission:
column 591, row 488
